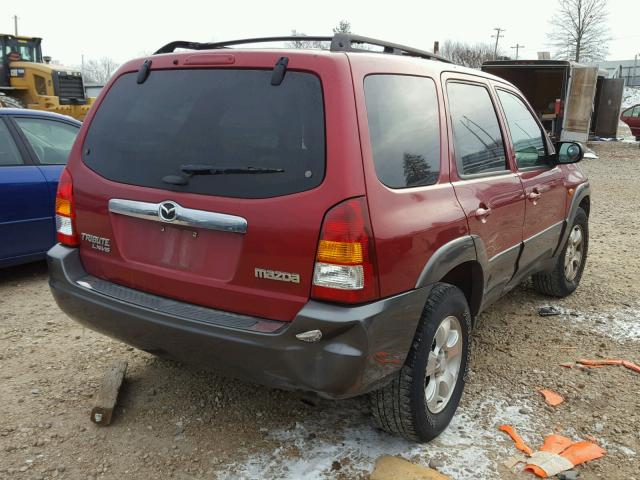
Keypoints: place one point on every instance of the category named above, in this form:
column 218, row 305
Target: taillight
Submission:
column 345, row 261
column 65, row 212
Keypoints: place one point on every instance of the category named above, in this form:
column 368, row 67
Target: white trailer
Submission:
column 563, row 95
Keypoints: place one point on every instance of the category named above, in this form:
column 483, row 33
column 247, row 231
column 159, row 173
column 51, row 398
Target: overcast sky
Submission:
column 126, row 29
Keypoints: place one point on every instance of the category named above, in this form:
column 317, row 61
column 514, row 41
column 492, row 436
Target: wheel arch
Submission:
column 585, row 204
column 456, row 262
column 581, row 199
column 469, row 278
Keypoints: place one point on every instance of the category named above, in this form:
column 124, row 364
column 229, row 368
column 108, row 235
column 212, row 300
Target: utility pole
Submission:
column 635, row 72
column 497, row 37
column 518, row 47
column 15, row 24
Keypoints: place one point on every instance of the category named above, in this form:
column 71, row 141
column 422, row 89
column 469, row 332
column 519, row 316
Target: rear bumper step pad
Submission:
column 178, row 309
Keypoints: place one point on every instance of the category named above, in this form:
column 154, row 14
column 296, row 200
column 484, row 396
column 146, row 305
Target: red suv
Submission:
column 631, row 116
column 325, row 220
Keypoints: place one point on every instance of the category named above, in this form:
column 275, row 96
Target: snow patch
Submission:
column 626, row 450
column 622, row 324
column 630, row 96
column 470, row 448
column 616, row 446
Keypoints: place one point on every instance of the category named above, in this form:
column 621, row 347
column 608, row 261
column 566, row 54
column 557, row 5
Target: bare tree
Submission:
column 302, row 43
column 580, row 31
column 99, row 70
column 343, row 27
column 469, row 55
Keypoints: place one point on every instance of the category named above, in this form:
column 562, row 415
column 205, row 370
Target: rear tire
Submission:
column 10, row 102
column 423, row 396
column 565, row 278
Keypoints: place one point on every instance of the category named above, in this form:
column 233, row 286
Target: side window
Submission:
column 404, row 129
column 526, row 135
column 50, row 140
column 9, row 154
column 476, row 131
column 636, row 111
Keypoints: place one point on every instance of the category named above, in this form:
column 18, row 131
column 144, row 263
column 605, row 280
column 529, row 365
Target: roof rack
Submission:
column 340, row 42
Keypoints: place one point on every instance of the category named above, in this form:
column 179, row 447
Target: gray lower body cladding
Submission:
column 361, row 346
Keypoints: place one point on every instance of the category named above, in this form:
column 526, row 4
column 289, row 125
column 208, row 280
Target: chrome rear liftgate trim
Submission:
column 170, row 212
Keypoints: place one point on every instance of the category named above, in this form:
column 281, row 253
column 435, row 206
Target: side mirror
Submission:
column 47, row 59
column 569, row 152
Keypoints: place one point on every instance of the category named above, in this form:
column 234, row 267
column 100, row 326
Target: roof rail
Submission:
column 340, row 42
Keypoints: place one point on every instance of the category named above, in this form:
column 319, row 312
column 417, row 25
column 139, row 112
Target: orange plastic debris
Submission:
column 581, row 452
column 559, row 454
column 540, row 471
column 519, row 442
column 631, row 366
column 567, row 365
column 555, row 443
column 536, row 470
column 610, row 361
column 595, row 363
column 552, row 398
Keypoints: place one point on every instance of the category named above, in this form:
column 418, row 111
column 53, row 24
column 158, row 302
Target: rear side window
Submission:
column 231, row 120
column 476, row 132
column 50, row 140
column 404, row 128
column 9, row 154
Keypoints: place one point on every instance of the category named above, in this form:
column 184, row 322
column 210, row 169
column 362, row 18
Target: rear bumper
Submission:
column 360, row 346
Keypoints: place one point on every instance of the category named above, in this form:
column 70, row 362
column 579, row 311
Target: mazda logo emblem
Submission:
column 168, row 211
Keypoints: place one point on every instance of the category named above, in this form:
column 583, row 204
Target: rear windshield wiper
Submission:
column 201, row 169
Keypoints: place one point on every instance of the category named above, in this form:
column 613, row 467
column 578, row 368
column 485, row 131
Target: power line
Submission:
column 497, row 36
column 518, row 47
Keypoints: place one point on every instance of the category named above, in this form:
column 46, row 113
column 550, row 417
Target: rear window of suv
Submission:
column 404, row 129
column 226, row 119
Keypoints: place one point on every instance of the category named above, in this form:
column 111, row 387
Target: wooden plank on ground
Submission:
column 107, row 396
column 393, row 468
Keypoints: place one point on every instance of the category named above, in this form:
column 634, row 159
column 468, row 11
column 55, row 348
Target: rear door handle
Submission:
column 534, row 195
column 482, row 213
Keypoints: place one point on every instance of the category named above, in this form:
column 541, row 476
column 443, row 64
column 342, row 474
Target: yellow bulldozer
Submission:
column 29, row 80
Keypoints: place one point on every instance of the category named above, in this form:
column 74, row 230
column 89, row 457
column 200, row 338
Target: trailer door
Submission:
column 579, row 103
column 607, row 113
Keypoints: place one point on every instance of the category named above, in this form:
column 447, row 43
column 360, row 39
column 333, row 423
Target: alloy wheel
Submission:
column 573, row 255
column 443, row 365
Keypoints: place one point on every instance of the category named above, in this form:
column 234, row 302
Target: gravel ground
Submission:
column 174, row 421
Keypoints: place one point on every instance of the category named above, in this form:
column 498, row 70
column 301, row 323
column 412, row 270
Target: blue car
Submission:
column 34, row 147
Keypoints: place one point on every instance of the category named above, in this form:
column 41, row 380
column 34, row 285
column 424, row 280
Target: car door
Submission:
column 25, row 207
column 49, row 142
column 635, row 121
column 542, row 180
column 485, row 181
column 632, row 118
